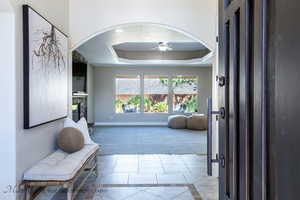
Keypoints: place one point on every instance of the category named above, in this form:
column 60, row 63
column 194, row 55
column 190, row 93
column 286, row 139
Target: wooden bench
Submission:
column 61, row 169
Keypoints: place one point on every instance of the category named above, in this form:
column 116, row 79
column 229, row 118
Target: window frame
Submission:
column 170, row 92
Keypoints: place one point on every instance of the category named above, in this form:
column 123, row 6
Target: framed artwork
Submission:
column 45, row 70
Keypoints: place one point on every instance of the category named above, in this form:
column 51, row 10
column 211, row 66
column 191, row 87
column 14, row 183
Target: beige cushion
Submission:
column 60, row 166
column 177, row 121
column 197, row 122
column 70, row 140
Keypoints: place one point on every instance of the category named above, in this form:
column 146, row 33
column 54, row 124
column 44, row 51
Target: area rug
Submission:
column 149, row 140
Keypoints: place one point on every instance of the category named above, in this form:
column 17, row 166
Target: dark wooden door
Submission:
column 242, row 131
column 259, row 135
column 284, row 100
column 235, row 65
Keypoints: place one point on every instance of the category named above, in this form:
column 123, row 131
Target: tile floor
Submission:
column 148, row 177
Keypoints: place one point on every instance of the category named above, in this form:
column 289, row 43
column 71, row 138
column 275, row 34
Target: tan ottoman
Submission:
column 177, row 121
column 197, row 122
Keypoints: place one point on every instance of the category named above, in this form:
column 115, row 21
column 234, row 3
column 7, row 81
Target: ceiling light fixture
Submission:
column 163, row 46
column 118, row 30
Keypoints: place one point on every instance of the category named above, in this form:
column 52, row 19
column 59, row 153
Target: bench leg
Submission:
column 28, row 193
column 96, row 168
column 70, row 192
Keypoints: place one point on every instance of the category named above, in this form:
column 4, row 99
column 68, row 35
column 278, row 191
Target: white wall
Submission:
column 104, row 91
column 34, row 144
column 196, row 17
column 7, row 102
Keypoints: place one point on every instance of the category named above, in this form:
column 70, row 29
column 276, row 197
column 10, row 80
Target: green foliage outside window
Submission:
column 177, row 82
column 155, row 104
column 147, row 105
column 161, row 107
column 119, row 104
column 192, row 105
column 136, row 101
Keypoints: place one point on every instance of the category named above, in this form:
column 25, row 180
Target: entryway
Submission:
column 128, row 102
column 253, row 138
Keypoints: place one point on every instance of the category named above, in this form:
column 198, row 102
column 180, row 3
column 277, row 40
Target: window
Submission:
column 156, row 94
column 161, row 94
column 185, row 94
column 128, row 98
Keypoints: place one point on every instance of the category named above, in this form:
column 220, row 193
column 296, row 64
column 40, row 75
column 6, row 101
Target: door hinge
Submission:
column 222, row 81
column 216, row 160
column 222, row 161
column 222, row 112
column 219, row 159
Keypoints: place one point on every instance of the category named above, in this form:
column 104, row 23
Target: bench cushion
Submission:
column 60, row 166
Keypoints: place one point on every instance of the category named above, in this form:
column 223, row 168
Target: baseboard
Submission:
column 131, row 123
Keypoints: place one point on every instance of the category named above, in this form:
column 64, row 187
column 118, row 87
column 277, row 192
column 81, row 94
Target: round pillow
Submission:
column 70, row 140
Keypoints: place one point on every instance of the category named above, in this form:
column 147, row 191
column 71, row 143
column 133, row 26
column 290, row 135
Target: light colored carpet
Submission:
column 149, row 140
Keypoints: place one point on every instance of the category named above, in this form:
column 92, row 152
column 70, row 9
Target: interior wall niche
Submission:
column 79, row 86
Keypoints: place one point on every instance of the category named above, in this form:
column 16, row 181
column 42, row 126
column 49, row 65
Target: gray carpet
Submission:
column 149, row 140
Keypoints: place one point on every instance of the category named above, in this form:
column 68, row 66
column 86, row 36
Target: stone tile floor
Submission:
column 147, row 177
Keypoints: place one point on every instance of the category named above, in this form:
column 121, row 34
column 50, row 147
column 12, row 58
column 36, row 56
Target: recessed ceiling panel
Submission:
column 152, row 51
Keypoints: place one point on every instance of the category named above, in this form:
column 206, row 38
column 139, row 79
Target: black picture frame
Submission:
column 26, row 69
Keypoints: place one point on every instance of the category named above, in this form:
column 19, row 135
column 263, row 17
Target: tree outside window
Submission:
column 185, row 94
column 128, row 94
column 156, row 94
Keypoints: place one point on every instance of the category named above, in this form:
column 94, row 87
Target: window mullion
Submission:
column 198, row 95
column 142, row 106
column 170, row 95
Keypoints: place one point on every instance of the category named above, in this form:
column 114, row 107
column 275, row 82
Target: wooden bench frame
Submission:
column 69, row 184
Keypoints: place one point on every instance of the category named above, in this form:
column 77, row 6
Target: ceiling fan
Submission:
column 163, row 46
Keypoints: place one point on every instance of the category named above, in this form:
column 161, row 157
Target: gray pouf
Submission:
column 177, row 121
column 197, row 122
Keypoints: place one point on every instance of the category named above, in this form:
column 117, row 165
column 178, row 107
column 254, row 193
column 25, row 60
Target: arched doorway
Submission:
column 131, row 93
column 118, row 26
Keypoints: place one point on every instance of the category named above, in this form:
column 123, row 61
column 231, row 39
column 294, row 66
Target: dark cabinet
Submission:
column 79, row 88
